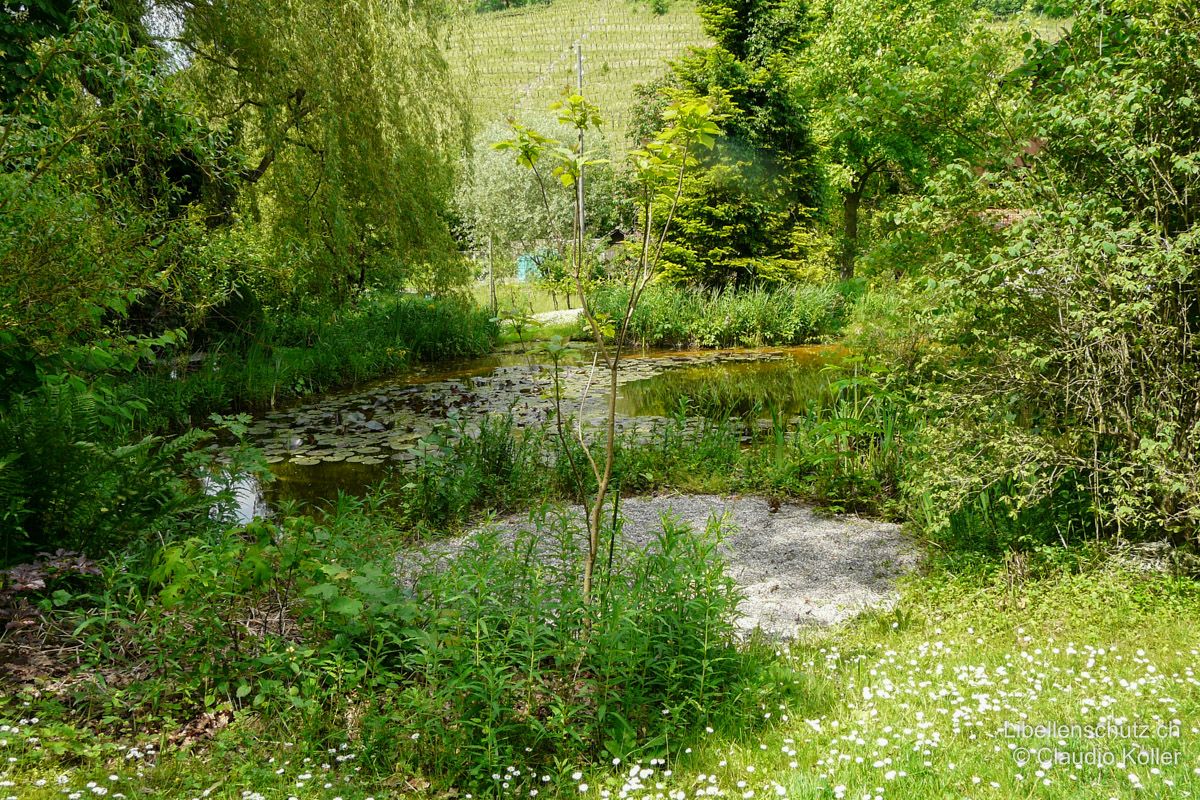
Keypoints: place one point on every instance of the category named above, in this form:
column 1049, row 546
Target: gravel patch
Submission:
column 796, row 568
column 561, row 317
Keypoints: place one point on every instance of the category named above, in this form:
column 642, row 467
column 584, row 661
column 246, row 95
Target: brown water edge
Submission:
column 349, row 441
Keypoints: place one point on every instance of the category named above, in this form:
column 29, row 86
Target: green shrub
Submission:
column 307, row 351
column 498, row 467
column 1008, row 8
column 502, row 468
column 511, row 675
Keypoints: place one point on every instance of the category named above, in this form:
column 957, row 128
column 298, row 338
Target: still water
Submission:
column 348, row 441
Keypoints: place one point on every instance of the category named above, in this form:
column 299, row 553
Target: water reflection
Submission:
column 721, row 390
column 243, row 499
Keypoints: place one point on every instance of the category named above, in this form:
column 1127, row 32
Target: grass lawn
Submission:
column 521, row 296
column 943, row 697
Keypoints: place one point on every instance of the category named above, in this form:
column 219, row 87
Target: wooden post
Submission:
column 492, row 277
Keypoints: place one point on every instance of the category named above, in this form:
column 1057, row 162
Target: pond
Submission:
column 785, row 385
column 347, row 442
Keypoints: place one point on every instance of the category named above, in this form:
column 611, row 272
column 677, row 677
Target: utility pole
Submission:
column 579, row 220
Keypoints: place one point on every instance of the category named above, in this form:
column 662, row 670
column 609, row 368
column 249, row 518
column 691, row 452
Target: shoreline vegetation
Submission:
column 989, row 219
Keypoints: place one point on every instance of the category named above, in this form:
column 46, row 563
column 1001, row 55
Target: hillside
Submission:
column 520, row 60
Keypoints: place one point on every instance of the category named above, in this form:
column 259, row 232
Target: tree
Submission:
column 22, row 26
column 99, row 195
column 746, row 215
column 753, row 31
column 351, row 124
column 1078, row 313
column 502, row 211
column 660, row 171
column 896, row 87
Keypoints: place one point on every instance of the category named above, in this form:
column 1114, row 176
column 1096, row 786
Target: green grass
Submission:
column 907, row 703
column 921, row 695
column 520, row 61
column 924, row 694
column 542, row 333
column 304, row 354
column 669, row 316
column 520, row 295
column 1051, row 29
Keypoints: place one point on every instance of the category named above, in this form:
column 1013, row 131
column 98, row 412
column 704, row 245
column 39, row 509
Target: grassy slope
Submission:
column 520, row 61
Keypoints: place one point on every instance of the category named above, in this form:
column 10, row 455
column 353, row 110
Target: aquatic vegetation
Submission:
column 672, row 316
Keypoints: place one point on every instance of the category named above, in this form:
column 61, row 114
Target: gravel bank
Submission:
column 796, row 568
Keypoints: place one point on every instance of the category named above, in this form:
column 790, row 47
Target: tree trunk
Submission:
column 850, row 232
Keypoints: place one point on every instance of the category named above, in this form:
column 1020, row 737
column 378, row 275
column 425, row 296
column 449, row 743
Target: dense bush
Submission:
column 460, row 670
column 673, row 316
column 1076, row 318
column 517, row 670
column 746, row 215
column 1007, row 8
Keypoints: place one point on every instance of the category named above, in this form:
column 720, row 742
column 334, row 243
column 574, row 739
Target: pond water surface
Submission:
column 348, row 441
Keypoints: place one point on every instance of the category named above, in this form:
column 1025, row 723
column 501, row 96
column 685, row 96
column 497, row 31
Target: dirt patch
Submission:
column 797, row 568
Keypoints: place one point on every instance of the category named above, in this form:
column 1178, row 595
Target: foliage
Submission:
column 747, row 215
column 753, row 31
column 68, row 481
column 484, row 645
column 308, row 350
column 498, row 469
column 1079, row 316
column 897, row 89
column 1008, row 8
column 101, row 196
column 503, row 213
column 506, row 681
column 348, row 122
column 671, row 316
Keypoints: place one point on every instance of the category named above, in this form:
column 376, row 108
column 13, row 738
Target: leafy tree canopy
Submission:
column 105, row 172
column 350, row 123
column 754, row 30
column 1074, row 288
column 897, row 87
column 747, row 214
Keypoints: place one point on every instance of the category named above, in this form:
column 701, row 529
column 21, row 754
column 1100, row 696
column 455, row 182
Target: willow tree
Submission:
column 349, row 121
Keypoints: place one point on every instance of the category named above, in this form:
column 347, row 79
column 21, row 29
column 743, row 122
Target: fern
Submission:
column 70, row 479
